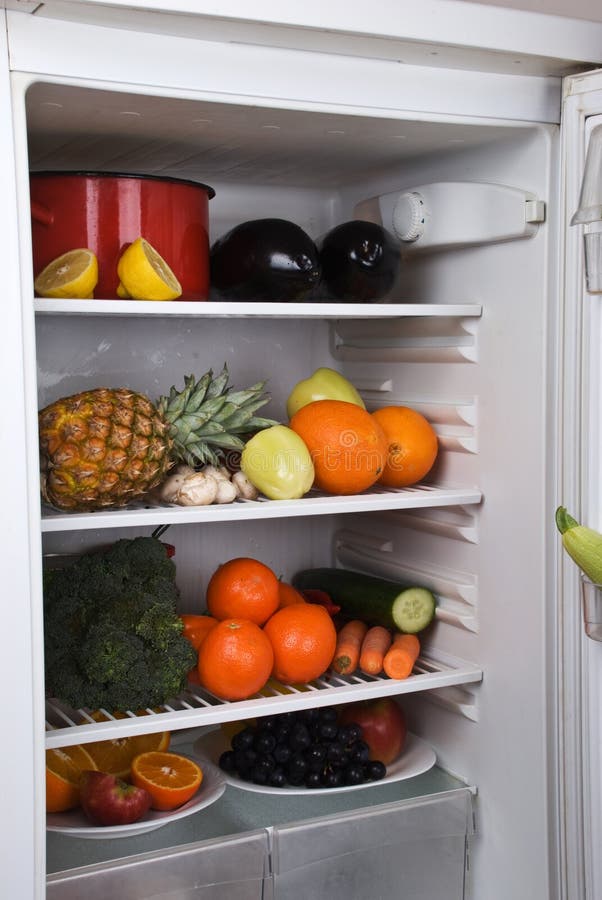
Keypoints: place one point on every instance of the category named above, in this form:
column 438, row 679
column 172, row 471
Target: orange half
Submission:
column 115, row 756
column 170, row 779
column 64, row 767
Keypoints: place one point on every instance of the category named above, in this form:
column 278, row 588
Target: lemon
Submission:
column 74, row 274
column 145, row 275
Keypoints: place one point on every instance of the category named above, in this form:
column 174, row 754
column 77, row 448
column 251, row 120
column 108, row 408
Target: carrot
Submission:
column 401, row 656
column 377, row 641
column 349, row 644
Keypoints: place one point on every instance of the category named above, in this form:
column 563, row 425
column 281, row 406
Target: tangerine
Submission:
column 243, row 588
column 196, row 628
column 288, row 595
column 347, row 445
column 303, row 638
column 412, row 445
column 235, row 659
column 170, row 779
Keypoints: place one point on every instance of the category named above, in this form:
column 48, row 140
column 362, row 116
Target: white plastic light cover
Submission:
column 590, row 201
column 589, row 212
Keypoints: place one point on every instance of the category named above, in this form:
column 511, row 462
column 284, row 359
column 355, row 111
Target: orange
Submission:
column 64, row 769
column 412, row 445
column 170, row 779
column 196, row 628
column 287, row 595
column 115, row 756
column 303, row 638
column 243, row 588
column 235, row 659
column 347, row 445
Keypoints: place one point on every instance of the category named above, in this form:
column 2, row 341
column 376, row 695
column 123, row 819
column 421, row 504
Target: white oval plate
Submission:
column 75, row 824
column 417, row 757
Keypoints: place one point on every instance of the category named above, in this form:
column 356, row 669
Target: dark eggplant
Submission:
column 360, row 262
column 264, row 259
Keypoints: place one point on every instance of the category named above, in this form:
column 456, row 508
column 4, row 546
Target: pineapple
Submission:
column 103, row 448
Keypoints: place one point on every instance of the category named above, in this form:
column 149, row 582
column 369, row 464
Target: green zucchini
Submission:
column 584, row 545
column 374, row 600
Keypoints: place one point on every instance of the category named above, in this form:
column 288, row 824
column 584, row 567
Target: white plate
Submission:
column 75, row 824
column 417, row 757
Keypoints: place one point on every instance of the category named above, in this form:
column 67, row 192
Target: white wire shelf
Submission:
column 231, row 309
column 195, row 707
column 313, row 504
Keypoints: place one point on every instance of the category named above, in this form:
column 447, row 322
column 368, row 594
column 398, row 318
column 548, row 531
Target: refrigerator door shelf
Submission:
column 591, row 595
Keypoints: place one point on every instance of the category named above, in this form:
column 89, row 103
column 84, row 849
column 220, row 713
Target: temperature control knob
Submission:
column 409, row 216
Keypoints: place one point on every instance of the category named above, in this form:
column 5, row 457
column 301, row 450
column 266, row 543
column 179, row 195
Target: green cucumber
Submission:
column 584, row 545
column 374, row 600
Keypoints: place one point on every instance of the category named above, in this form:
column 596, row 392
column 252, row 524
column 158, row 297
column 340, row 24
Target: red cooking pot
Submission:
column 106, row 211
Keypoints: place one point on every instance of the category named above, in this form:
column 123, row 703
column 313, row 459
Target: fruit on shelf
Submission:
column 107, row 800
column 64, row 767
column 243, row 588
column 235, row 659
column 278, row 463
column 412, row 445
column 170, row 778
column 360, row 262
column 268, row 259
column 324, row 384
column 144, row 274
column 115, row 756
column 383, row 724
column 288, row 595
column 73, row 274
column 346, row 444
column 103, row 448
column 303, row 639
column 583, row 544
column 306, row 748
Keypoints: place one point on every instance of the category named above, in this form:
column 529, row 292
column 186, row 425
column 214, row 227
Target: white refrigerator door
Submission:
column 580, row 490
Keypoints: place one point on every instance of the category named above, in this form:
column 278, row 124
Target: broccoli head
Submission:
column 113, row 638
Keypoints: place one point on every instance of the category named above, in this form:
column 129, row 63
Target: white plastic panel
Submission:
column 437, row 33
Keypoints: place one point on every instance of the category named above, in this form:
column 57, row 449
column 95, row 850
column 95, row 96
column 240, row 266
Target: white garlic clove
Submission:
column 220, row 473
column 197, row 489
column 226, row 491
column 246, row 490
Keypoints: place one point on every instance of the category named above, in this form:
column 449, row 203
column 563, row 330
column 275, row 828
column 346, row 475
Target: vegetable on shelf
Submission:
column 278, row 463
column 348, row 648
column 375, row 600
column 402, row 654
column 324, row 384
column 584, row 545
column 377, row 641
column 112, row 637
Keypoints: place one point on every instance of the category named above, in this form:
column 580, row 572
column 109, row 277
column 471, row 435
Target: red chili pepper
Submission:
column 313, row 595
column 169, row 549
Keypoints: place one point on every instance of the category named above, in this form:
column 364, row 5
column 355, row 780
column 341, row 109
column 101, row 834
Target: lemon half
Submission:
column 144, row 274
column 74, row 274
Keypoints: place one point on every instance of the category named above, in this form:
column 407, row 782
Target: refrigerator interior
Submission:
column 463, row 337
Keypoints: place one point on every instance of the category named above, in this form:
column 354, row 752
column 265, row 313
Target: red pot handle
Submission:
column 40, row 214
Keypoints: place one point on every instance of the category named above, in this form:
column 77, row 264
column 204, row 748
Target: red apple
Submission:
column 107, row 800
column 383, row 725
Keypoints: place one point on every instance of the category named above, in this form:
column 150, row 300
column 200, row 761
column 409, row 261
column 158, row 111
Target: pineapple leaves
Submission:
column 207, row 416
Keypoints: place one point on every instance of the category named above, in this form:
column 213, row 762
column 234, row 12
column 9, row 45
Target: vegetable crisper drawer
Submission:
column 413, row 850
column 221, row 869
